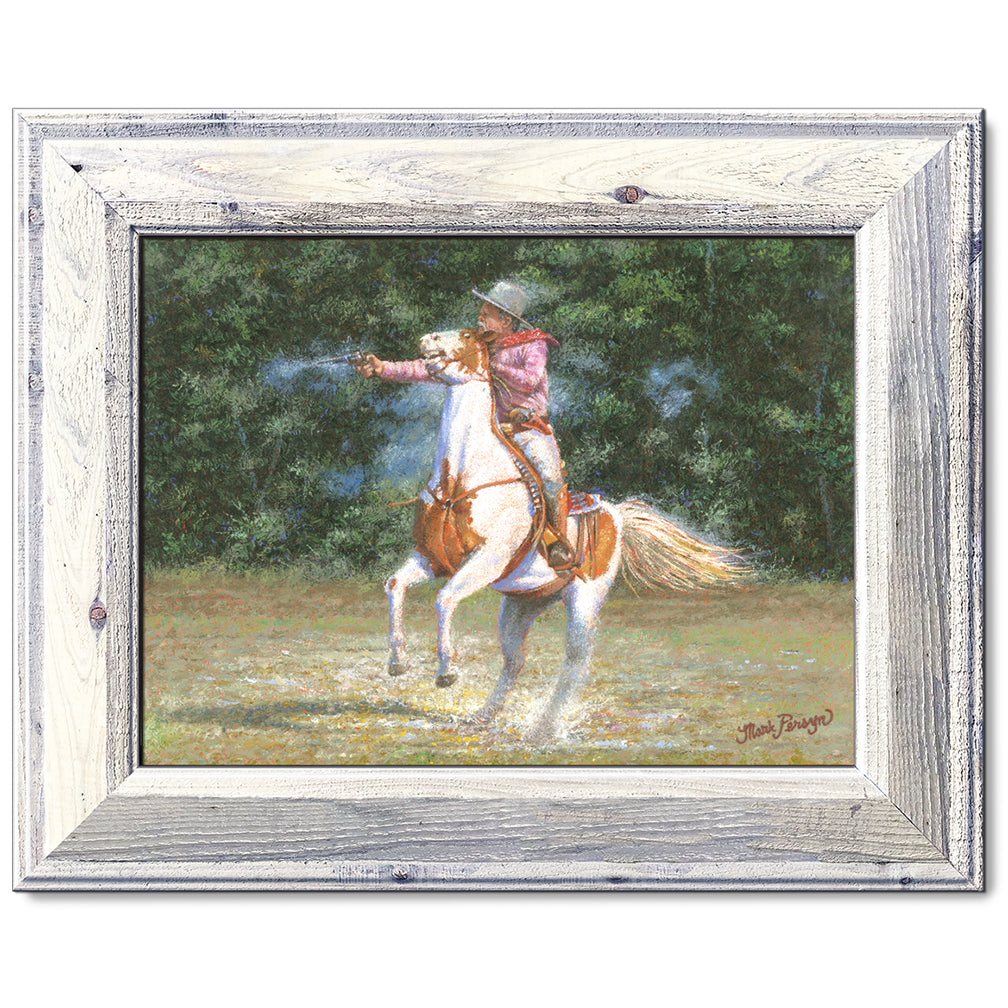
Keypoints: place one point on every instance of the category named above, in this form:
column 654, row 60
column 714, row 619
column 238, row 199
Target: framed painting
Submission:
column 127, row 779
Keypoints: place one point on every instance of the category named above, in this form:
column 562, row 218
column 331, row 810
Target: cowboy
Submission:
column 518, row 355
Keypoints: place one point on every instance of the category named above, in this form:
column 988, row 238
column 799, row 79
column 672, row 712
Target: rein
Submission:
column 452, row 501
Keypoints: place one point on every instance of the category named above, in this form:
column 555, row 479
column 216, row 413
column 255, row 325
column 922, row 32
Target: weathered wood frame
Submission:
column 907, row 186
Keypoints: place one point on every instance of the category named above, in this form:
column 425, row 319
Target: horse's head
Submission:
column 464, row 348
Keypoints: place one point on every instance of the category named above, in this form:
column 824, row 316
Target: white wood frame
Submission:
column 907, row 186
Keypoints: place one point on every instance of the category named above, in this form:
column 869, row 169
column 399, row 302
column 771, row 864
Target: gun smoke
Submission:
column 408, row 418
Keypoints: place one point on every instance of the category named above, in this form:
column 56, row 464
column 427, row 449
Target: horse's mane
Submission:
column 483, row 345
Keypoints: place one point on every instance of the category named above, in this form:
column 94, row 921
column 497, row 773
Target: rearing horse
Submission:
column 477, row 525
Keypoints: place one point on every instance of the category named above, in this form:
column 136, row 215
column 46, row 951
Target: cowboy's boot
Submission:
column 559, row 555
column 542, row 454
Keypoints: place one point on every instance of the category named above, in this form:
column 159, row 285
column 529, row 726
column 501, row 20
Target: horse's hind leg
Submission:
column 513, row 624
column 415, row 571
column 583, row 602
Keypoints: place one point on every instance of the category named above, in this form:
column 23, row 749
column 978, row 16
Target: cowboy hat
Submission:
column 507, row 296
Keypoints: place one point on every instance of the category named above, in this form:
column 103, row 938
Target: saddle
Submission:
column 443, row 533
column 593, row 549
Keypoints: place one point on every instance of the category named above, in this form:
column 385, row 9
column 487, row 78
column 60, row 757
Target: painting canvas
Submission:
column 291, row 418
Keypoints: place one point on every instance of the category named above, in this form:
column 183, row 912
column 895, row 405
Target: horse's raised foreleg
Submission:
column 415, row 571
column 481, row 568
column 513, row 624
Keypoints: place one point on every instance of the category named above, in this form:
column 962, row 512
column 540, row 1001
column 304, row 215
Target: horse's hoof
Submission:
column 478, row 721
column 446, row 680
column 543, row 732
column 397, row 668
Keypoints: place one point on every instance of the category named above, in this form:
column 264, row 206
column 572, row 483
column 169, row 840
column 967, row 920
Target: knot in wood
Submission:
column 629, row 194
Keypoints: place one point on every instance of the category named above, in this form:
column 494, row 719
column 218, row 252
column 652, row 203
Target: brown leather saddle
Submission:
column 443, row 532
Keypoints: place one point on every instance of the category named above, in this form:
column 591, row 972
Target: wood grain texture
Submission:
column 363, row 875
column 907, row 185
column 780, row 171
column 74, row 459
column 490, row 218
column 120, row 577
column 450, row 830
column 919, row 479
column 965, row 597
column 30, row 611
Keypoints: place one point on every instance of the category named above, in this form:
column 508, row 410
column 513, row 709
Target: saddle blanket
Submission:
column 582, row 503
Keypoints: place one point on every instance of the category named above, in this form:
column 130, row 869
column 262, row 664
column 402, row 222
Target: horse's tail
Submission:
column 658, row 554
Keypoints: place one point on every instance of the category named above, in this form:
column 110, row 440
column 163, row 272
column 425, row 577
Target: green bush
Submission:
column 713, row 376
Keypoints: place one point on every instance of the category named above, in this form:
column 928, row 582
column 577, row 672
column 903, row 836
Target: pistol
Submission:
column 355, row 358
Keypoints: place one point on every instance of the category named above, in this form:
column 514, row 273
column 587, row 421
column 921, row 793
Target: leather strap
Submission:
column 449, row 502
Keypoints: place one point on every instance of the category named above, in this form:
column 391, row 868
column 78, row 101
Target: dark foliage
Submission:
column 713, row 376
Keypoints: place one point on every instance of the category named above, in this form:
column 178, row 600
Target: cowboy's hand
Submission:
column 370, row 367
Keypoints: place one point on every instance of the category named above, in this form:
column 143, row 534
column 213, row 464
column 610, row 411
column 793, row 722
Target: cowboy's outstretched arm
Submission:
column 401, row 371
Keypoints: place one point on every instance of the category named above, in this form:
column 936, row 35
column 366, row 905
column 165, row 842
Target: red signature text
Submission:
column 777, row 726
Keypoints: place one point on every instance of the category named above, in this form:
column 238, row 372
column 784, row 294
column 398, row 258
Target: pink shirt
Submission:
column 519, row 376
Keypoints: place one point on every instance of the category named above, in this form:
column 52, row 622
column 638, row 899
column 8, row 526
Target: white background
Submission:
column 619, row 949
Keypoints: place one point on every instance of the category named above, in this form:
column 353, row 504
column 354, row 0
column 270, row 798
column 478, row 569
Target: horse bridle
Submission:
column 463, row 360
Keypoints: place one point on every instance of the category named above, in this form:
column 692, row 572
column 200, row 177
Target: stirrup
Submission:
column 561, row 563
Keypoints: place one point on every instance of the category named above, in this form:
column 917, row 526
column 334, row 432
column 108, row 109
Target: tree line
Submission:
column 713, row 376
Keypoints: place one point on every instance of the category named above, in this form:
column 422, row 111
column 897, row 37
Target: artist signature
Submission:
column 775, row 727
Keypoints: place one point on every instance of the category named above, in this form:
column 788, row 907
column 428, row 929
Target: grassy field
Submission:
column 272, row 670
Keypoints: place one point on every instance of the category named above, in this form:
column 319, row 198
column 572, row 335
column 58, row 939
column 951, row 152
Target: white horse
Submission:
column 476, row 525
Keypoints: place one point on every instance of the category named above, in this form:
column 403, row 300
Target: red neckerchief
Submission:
column 518, row 338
